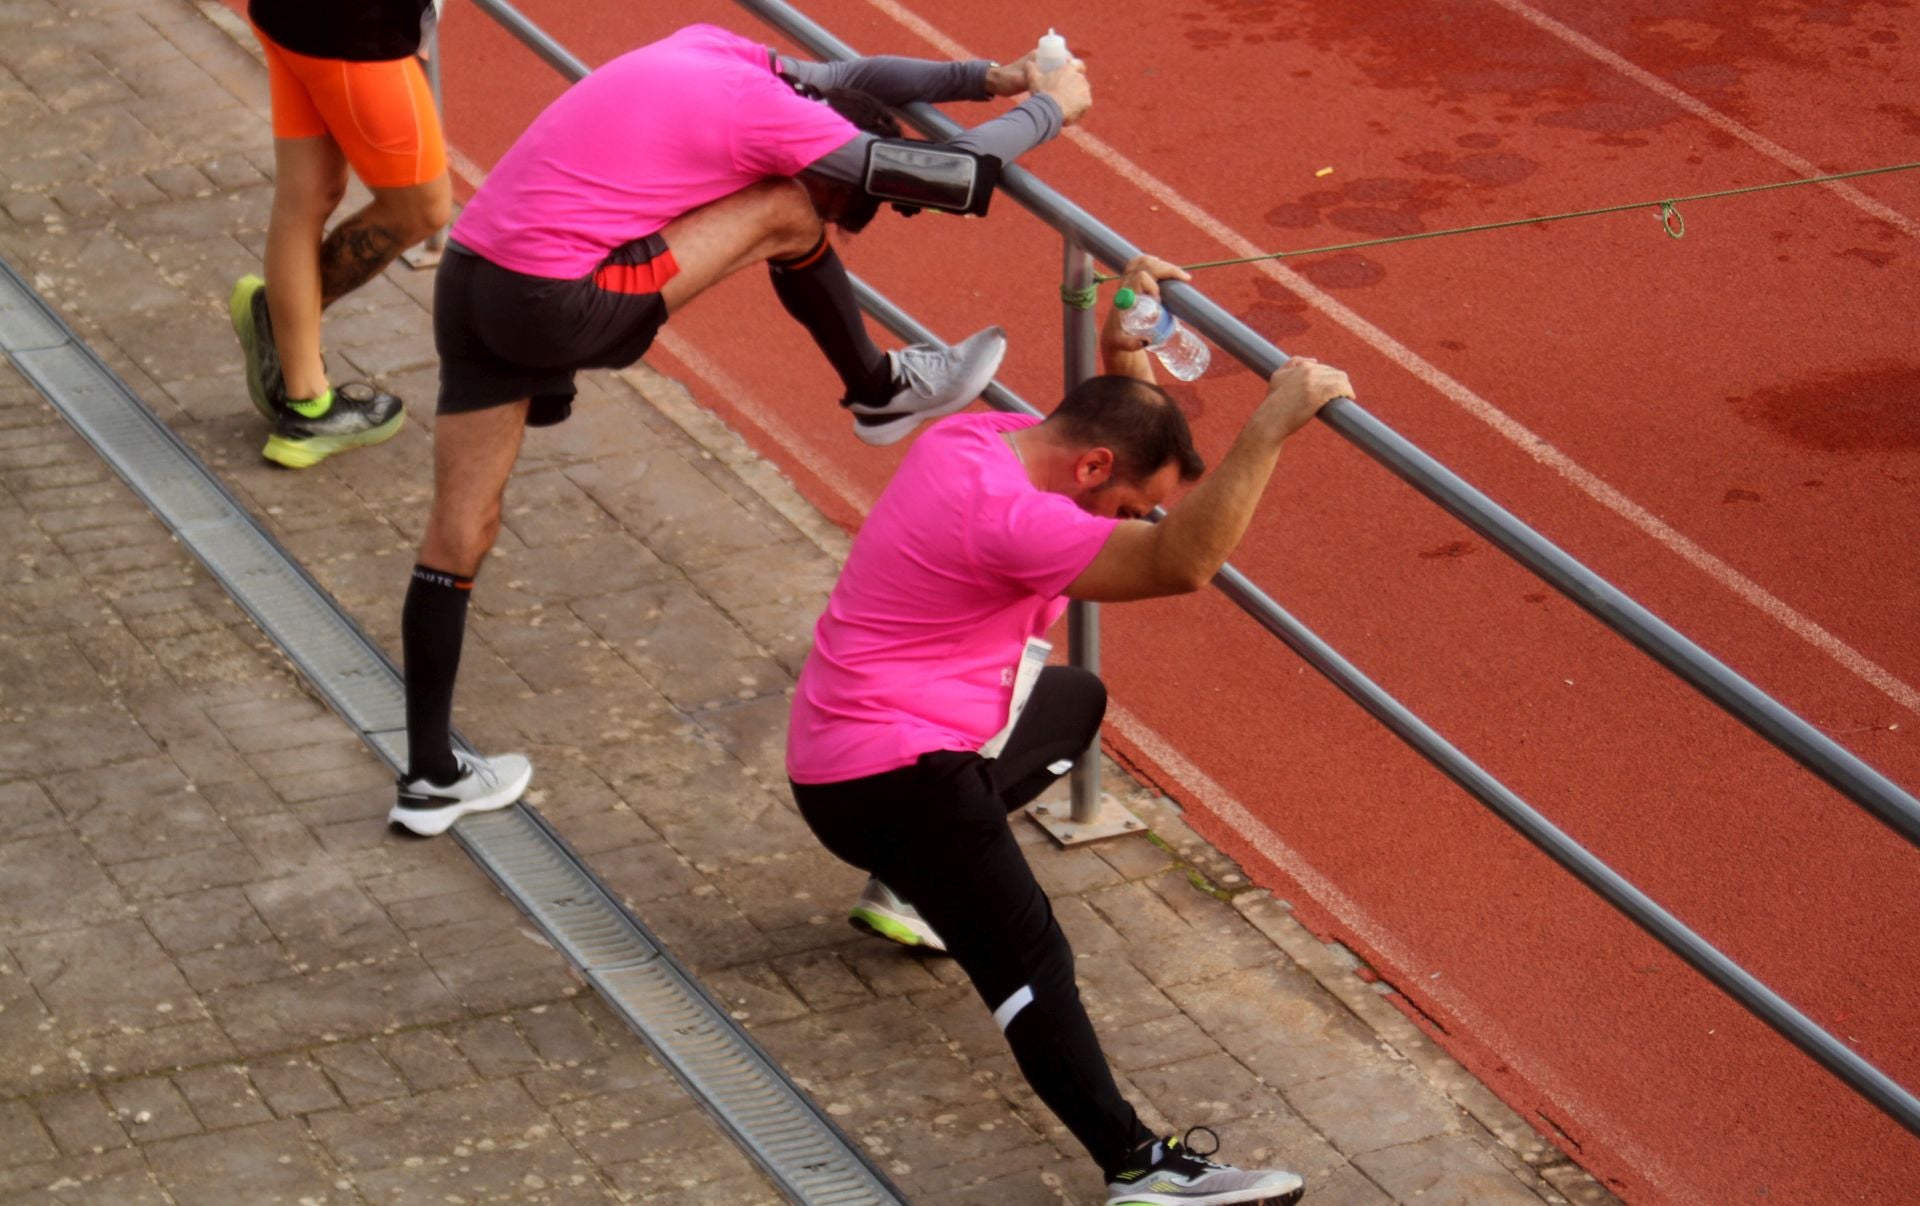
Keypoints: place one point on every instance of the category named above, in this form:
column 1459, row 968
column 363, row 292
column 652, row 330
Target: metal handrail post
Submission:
column 437, row 241
column 1092, row 815
column 1083, row 619
column 427, row 254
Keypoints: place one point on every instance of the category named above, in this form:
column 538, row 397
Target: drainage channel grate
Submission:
column 744, row 1090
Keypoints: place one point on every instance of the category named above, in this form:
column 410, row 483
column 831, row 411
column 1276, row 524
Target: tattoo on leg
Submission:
column 352, row 255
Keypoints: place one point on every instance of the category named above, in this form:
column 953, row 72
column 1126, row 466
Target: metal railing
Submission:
column 1607, row 603
column 1086, row 238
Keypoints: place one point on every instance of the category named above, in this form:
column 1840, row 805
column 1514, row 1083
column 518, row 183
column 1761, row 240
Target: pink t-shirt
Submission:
column 655, row 133
column 960, row 562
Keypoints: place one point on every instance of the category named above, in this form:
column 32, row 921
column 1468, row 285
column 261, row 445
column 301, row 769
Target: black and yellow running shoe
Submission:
column 348, row 416
column 247, row 307
column 1168, row 1172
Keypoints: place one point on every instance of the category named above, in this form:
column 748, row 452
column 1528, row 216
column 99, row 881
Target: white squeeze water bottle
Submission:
column 1178, row 348
column 1052, row 52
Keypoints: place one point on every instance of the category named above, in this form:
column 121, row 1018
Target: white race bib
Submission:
column 1032, row 660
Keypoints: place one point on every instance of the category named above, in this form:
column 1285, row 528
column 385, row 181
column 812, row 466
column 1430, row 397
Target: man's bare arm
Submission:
column 1183, row 552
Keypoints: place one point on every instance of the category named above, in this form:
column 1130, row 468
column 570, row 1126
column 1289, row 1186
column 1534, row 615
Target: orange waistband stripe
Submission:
column 638, row 278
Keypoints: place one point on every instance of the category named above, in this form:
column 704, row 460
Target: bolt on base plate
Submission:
column 1057, row 819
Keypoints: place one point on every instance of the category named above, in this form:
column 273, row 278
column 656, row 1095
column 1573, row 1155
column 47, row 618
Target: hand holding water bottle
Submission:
column 1139, row 321
column 1050, row 68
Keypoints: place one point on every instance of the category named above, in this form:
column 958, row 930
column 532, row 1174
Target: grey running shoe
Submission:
column 427, row 808
column 247, row 307
column 360, row 415
column 929, row 382
column 879, row 911
column 1169, row 1173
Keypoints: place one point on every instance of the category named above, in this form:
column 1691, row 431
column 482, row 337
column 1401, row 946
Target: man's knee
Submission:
column 1071, row 691
column 415, row 212
column 788, row 215
column 436, row 210
column 458, row 540
column 1080, row 686
column 311, row 202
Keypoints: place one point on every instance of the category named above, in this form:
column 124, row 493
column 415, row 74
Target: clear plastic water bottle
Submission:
column 1051, row 54
column 1183, row 352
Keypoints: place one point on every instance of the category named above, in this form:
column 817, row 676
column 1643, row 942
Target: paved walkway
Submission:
column 223, row 980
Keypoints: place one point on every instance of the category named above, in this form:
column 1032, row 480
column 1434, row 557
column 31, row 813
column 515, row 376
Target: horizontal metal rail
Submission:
column 1612, row 607
column 1827, row 758
column 535, row 39
column 1733, row 979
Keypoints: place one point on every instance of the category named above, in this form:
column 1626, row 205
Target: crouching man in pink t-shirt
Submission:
column 987, row 526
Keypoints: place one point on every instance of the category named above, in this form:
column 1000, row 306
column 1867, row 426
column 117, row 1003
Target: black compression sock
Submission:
column 433, row 624
column 815, row 289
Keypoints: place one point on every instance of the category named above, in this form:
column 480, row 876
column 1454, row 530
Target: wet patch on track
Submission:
column 1877, row 407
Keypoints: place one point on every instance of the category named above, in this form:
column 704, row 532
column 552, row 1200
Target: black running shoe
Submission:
column 360, row 415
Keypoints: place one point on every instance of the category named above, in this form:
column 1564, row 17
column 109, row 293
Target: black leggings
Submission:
column 936, row 833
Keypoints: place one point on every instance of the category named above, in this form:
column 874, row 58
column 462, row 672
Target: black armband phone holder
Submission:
column 912, row 176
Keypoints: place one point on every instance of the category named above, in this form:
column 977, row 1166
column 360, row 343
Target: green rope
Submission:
column 1670, row 219
column 1083, row 299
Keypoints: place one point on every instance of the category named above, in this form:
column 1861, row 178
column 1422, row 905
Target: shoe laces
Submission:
column 1182, row 1157
column 921, row 364
column 478, row 767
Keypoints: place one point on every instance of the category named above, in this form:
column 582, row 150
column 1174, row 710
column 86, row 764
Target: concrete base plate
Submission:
column 1056, row 817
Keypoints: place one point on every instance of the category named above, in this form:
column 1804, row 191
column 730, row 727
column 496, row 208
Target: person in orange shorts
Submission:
column 347, row 90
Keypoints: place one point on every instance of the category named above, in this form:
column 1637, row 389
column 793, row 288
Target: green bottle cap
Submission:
column 1124, row 299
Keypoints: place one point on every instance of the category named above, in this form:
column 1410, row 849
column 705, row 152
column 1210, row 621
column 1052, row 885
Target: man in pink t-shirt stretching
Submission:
column 662, row 172
column 989, row 522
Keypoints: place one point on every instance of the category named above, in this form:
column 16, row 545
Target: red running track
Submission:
column 1725, row 426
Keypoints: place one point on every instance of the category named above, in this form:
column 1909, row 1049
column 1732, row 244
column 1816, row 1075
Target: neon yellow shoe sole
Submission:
column 240, row 310
column 308, row 451
column 890, row 928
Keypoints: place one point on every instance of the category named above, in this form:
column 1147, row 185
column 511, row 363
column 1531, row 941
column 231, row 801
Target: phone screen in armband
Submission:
column 923, row 177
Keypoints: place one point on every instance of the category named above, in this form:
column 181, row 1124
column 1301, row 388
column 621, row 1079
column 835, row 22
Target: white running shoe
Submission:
column 1169, row 1173
column 929, row 382
column 427, row 808
column 879, row 911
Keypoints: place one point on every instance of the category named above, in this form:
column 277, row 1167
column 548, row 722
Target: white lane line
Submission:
column 766, row 418
column 1508, row 427
column 1523, row 1060
column 1710, row 115
column 464, row 167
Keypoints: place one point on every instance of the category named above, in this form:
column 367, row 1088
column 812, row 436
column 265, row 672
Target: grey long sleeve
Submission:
column 1007, row 137
column 894, row 80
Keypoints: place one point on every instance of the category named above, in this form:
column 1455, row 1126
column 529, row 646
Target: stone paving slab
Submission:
column 222, row 979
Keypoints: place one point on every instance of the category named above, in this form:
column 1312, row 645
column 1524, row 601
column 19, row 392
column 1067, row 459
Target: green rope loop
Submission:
column 1081, row 299
column 1670, row 220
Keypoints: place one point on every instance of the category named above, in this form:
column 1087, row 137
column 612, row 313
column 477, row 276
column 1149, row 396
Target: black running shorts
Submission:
column 503, row 335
